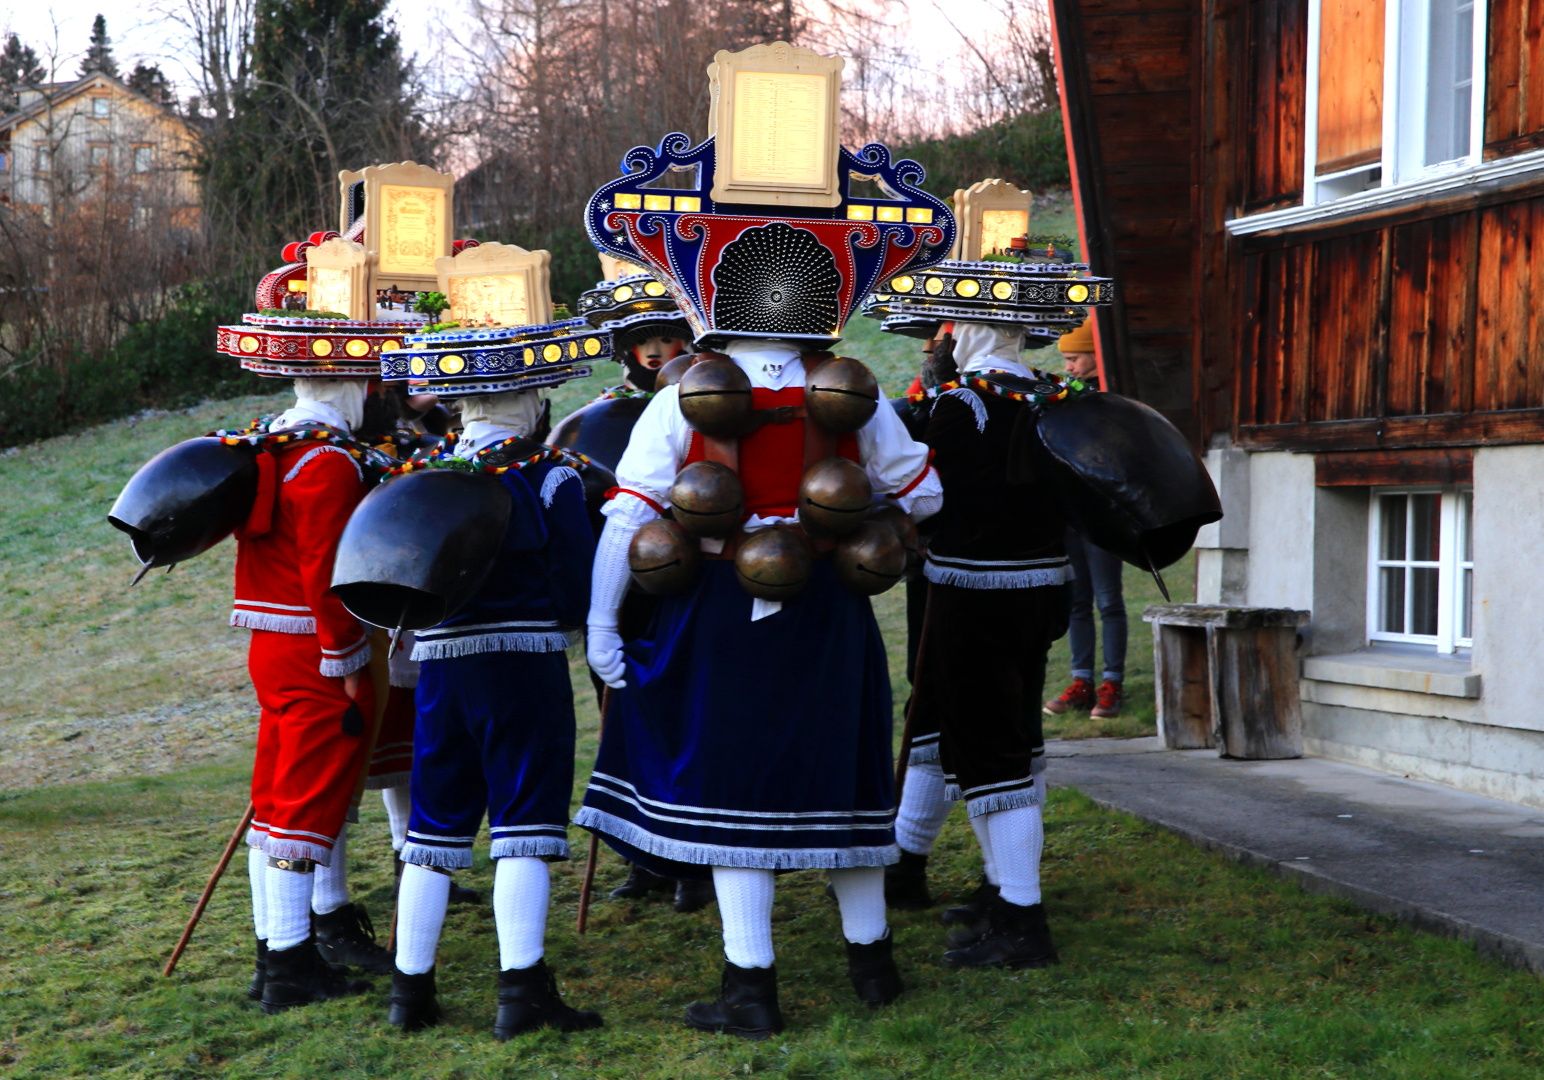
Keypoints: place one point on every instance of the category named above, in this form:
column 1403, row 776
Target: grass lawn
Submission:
column 1176, row 964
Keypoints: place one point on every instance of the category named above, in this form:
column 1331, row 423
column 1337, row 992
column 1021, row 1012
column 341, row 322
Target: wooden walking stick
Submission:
column 911, row 705
column 214, row 879
column 588, row 885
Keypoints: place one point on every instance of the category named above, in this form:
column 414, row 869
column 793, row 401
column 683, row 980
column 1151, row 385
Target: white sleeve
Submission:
column 655, row 450
column 897, row 464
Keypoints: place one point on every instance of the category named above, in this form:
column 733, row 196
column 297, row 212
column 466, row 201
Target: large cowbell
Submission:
column 1129, row 480
column 601, row 429
column 419, row 547
column 186, row 499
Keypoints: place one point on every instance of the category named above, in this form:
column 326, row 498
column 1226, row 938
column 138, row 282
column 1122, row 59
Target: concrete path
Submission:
column 1437, row 858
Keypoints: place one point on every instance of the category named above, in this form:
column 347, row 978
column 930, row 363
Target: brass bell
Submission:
column 905, row 528
column 707, row 499
column 663, row 557
column 834, row 497
column 773, row 564
column 870, row 559
column 841, row 394
column 716, row 398
column 671, row 371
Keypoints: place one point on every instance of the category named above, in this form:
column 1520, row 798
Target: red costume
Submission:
column 312, row 738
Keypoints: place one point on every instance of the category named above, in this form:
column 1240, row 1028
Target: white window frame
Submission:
column 1406, row 25
column 104, row 111
column 1450, row 567
column 148, row 152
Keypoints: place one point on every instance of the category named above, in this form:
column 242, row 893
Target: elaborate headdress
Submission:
column 994, row 277
column 633, row 309
column 406, row 210
column 500, row 295
column 784, row 231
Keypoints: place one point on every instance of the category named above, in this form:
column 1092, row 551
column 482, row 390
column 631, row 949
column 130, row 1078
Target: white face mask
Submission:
column 517, row 411
column 979, row 346
column 346, row 397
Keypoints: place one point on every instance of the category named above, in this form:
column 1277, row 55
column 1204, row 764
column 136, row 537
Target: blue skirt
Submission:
column 756, row 744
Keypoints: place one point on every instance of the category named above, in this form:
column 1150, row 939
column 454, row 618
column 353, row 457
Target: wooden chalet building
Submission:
column 1326, row 223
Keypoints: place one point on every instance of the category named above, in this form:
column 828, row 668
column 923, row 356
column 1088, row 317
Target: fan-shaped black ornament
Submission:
column 777, row 280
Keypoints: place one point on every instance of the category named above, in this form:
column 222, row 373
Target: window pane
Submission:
column 1466, row 527
column 1449, row 78
column 1466, row 605
column 1425, row 527
column 1391, row 618
column 1423, row 600
column 1392, row 545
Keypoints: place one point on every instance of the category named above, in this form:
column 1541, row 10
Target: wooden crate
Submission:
column 1227, row 677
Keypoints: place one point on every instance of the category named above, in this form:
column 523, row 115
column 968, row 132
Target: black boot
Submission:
column 746, row 1005
column 413, row 1005
column 259, row 972
column 298, row 976
column 640, row 883
column 1016, row 937
column 460, row 895
column 528, row 999
column 347, row 936
column 970, row 918
column 692, row 895
column 872, row 970
column 906, row 884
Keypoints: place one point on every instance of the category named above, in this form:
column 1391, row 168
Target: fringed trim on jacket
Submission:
column 996, row 573
column 528, row 637
column 273, row 621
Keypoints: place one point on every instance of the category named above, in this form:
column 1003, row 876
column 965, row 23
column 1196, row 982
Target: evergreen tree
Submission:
column 99, row 54
column 19, row 68
column 328, row 89
column 147, row 79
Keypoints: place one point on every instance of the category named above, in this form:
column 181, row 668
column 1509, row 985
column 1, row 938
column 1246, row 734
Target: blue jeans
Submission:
column 1098, row 581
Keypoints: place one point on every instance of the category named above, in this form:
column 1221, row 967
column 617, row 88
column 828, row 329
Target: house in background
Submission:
column 1326, row 223
column 67, row 141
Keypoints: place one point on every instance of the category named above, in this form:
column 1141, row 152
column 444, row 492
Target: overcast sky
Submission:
column 142, row 34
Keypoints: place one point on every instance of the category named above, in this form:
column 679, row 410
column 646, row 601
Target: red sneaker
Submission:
column 1111, row 697
column 1080, row 695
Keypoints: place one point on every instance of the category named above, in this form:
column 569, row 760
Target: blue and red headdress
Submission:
column 739, row 272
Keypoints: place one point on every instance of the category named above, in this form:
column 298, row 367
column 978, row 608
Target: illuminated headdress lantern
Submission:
column 500, row 295
column 783, row 231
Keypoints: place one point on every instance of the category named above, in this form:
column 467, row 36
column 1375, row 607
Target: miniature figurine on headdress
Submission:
column 492, row 572
column 757, row 706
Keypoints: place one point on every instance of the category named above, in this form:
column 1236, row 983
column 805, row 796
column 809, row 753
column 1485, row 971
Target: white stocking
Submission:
column 331, row 889
column 521, row 887
column 421, row 904
column 984, row 838
column 860, row 894
column 745, row 906
column 1018, row 835
column 257, row 869
column 923, row 808
column 287, row 897
column 398, row 805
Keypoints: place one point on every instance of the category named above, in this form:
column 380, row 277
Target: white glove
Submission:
column 604, row 652
column 608, row 585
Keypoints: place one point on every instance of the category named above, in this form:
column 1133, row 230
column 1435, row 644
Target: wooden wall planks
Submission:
column 1128, row 73
column 1276, row 37
column 1514, row 79
column 1459, row 328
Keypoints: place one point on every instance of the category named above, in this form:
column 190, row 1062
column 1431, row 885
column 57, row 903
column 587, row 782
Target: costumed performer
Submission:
column 495, row 731
column 305, row 659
